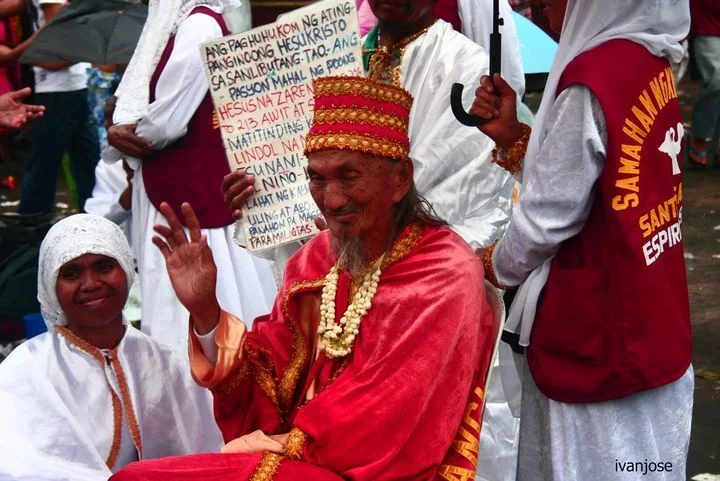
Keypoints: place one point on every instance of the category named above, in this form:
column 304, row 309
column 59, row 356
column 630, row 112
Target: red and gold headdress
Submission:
column 361, row 115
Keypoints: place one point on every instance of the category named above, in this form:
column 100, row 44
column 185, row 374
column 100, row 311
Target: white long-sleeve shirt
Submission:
column 180, row 89
column 560, row 189
column 182, row 85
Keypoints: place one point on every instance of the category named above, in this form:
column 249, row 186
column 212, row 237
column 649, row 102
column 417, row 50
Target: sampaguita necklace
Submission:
column 337, row 339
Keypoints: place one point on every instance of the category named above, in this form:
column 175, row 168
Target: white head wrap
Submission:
column 659, row 26
column 69, row 239
column 164, row 17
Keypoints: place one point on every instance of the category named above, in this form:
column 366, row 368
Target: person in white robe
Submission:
column 111, row 184
column 562, row 441
column 246, row 284
column 93, row 393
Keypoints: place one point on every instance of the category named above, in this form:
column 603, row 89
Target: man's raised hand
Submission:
column 190, row 266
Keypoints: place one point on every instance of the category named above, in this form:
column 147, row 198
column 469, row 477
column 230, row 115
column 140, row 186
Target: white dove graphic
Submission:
column 673, row 146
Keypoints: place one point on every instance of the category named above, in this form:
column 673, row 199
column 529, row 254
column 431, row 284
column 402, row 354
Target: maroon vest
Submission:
column 448, row 10
column 614, row 318
column 192, row 168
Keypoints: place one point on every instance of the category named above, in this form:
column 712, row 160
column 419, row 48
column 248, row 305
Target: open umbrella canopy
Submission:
column 98, row 31
column 536, row 47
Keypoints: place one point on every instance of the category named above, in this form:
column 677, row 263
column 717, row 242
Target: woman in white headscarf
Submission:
column 602, row 308
column 165, row 128
column 93, row 394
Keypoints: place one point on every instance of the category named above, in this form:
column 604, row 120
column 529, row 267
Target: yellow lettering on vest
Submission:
column 646, row 121
column 679, row 194
column 632, row 151
column 673, row 203
column 634, row 132
column 468, row 419
column 672, row 85
column 455, row 473
column 629, row 167
column 654, row 221
column 660, row 216
column 468, row 446
column 664, row 212
column 655, row 87
column 647, row 102
column 663, row 87
column 479, row 393
column 622, row 202
column 645, row 226
column 631, row 184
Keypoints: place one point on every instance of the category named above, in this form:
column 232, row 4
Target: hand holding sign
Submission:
column 237, row 188
column 261, row 84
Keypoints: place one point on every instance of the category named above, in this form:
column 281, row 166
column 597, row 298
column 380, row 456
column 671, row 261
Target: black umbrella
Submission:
column 495, row 61
column 98, row 31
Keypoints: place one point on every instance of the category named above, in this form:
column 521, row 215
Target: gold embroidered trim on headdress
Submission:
column 363, row 143
column 360, row 86
column 363, row 115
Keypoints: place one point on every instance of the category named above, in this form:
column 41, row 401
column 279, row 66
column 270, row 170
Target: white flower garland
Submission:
column 337, row 339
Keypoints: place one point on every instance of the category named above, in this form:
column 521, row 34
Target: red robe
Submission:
column 406, row 403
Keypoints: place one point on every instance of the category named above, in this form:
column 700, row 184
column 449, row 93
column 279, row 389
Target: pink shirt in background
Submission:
column 365, row 16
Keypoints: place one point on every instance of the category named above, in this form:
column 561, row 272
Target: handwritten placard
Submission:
column 261, row 84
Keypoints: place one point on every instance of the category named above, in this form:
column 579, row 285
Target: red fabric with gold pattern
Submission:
column 391, row 409
column 359, row 114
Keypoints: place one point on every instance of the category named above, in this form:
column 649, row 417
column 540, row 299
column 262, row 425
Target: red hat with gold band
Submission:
column 361, row 115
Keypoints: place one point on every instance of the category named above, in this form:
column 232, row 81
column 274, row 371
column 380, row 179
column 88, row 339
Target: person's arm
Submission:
column 110, row 184
column 11, row 55
column 182, row 84
column 9, row 8
column 560, row 188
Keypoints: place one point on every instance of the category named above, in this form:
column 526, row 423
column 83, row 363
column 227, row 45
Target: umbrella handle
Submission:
column 495, row 64
column 456, row 96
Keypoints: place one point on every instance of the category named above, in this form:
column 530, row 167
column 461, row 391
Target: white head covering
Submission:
column 164, row 17
column 657, row 25
column 69, row 239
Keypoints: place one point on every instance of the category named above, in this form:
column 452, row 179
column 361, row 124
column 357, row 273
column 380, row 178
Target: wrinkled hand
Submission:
column 190, row 266
column 497, row 104
column 237, row 187
column 14, row 114
column 123, row 138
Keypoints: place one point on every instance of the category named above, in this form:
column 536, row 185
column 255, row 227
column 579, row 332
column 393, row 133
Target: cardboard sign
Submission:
column 261, row 84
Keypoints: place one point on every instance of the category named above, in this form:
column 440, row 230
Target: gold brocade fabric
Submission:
column 386, row 60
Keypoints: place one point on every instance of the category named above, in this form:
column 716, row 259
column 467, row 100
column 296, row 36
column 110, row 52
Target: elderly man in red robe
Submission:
column 372, row 364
